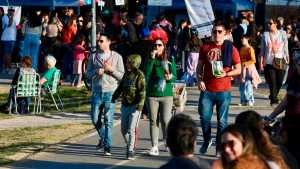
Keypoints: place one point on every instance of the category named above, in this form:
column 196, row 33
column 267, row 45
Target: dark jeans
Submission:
column 274, row 77
column 76, row 79
column 207, row 101
column 67, row 60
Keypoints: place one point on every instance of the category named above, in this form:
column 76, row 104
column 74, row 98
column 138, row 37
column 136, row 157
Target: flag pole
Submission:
column 93, row 37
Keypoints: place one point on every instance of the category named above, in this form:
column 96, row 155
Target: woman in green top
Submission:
column 160, row 74
column 47, row 77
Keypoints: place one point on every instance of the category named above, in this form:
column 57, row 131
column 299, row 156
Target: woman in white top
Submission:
column 274, row 56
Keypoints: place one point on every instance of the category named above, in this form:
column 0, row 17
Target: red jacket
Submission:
column 69, row 34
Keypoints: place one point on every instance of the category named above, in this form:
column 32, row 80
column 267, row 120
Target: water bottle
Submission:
column 162, row 85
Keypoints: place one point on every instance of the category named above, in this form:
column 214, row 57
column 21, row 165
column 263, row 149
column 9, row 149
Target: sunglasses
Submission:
column 158, row 44
column 217, row 31
column 226, row 144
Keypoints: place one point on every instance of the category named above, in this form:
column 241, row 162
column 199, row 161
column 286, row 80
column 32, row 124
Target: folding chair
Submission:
column 27, row 86
column 52, row 89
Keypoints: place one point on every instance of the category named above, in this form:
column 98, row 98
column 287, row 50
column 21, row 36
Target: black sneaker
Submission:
column 131, row 155
column 205, row 146
column 99, row 145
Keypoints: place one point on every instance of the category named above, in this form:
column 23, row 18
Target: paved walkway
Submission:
column 18, row 121
column 261, row 105
column 4, row 85
column 82, row 154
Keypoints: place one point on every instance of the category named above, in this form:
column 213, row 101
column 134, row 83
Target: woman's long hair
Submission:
column 275, row 21
column 263, row 144
column 71, row 20
column 1, row 12
column 34, row 20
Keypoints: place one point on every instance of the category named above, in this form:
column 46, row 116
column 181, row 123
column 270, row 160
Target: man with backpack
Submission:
column 218, row 62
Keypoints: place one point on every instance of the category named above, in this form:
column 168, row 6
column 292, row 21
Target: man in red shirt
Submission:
column 218, row 62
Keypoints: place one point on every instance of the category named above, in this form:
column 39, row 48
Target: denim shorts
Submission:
column 8, row 47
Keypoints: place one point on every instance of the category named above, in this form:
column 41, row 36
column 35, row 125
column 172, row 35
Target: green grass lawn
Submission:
column 3, row 98
column 74, row 100
column 23, row 140
column 15, row 144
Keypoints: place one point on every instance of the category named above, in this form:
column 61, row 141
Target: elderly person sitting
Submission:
column 47, row 77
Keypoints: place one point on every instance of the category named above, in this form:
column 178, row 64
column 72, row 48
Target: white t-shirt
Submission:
column 104, row 57
column 9, row 33
column 275, row 45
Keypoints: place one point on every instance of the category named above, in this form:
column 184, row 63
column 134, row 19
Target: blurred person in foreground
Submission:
column 291, row 102
column 181, row 139
column 270, row 148
column 291, row 105
column 237, row 147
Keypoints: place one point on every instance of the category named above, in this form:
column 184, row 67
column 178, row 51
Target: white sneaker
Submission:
column 153, row 151
column 166, row 148
column 250, row 104
column 107, row 153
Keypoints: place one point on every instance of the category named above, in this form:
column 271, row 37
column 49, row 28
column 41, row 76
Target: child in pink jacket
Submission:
column 78, row 56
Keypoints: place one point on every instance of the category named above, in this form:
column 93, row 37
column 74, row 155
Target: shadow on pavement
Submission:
column 118, row 153
column 39, row 164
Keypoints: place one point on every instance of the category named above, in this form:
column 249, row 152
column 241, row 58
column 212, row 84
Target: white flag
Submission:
column 120, row 2
column 201, row 16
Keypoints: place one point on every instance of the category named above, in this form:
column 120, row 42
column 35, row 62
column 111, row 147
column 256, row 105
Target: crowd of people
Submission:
column 141, row 63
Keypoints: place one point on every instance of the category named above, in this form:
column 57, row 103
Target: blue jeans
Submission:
column 103, row 126
column 32, row 47
column 246, row 91
column 20, row 45
column 207, row 101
